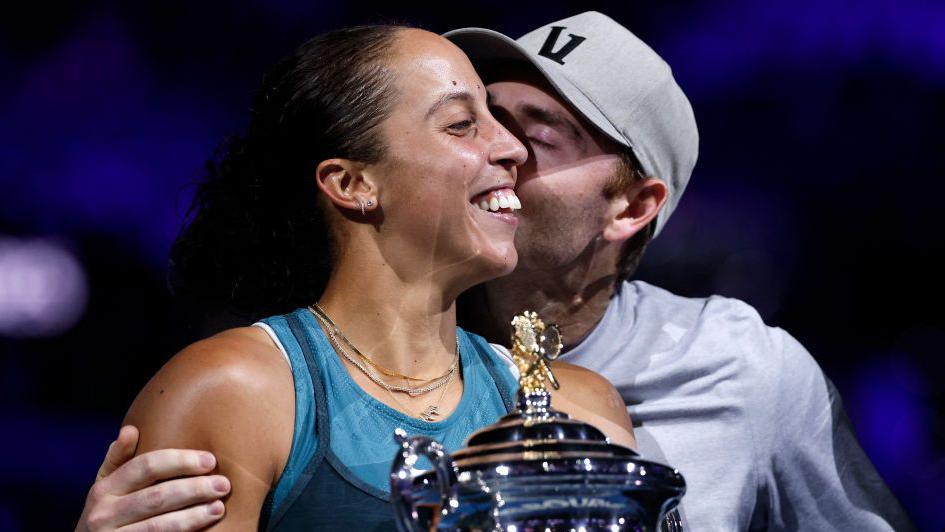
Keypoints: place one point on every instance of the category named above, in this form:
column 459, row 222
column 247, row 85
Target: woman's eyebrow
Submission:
column 449, row 97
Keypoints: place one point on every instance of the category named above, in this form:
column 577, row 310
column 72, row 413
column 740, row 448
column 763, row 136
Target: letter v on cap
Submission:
column 547, row 49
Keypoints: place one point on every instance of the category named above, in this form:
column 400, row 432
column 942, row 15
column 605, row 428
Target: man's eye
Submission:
column 541, row 144
column 461, row 126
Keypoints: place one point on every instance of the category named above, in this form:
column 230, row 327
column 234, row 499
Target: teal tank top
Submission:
column 338, row 472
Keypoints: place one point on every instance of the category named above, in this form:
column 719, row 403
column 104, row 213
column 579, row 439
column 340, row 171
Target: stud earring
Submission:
column 370, row 203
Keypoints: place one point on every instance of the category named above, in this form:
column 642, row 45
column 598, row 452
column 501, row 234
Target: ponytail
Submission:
column 256, row 241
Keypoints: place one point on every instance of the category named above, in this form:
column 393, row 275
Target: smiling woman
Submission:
column 372, row 188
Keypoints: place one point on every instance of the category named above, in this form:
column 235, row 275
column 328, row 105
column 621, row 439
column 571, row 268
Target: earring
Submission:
column 370, row 203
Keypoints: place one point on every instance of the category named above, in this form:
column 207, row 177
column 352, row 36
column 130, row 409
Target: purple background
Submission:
column 815, row 199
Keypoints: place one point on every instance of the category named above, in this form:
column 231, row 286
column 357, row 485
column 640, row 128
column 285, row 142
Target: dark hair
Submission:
column 629, row 171
column 258, row 241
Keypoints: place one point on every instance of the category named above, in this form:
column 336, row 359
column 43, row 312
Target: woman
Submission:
column 373, row 179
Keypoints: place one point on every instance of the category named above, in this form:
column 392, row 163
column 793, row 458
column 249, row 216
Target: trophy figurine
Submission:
column 536, row 469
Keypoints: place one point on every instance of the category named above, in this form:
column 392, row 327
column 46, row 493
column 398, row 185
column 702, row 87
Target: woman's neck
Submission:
column 405, row 325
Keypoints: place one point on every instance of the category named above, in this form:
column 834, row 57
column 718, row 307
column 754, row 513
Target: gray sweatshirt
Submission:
column 742, row 410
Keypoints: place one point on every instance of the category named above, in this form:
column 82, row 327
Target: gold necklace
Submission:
column 319, row 311
column 412, row 391
column 384, row 371
column 432, row 411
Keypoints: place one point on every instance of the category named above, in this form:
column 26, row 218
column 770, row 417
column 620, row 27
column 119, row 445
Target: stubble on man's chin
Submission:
column 551, row 239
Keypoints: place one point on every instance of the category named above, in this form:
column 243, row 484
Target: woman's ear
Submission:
column 345, row 184
column 633, row 210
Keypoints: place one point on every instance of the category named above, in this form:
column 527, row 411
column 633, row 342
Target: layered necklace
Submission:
column 374, row 371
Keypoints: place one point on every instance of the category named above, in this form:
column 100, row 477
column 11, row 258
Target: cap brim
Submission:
column 486, row 47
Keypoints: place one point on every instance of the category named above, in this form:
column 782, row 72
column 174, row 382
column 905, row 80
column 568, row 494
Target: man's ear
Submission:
column 346, row 185
column 633, row 210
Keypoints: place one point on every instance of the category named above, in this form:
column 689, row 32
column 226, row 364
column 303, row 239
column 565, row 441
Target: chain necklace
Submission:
column 413, row 391
column 319, row 311
column 387, row 372
column 431, row 412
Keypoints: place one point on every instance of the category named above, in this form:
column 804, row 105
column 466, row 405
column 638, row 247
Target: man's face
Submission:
column 561, row 185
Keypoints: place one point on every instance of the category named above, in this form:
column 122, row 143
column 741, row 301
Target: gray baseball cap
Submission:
column 612, row 78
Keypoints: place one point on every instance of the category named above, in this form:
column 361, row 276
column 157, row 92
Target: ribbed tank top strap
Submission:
column 273, row 513
column 505, row 382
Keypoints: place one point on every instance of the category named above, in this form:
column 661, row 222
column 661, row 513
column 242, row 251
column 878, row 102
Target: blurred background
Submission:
column 816, row 199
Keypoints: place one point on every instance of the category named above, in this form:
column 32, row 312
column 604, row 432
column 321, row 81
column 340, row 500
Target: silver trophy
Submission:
column 536, row 469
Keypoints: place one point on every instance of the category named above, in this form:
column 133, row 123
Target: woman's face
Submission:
column 448, row 164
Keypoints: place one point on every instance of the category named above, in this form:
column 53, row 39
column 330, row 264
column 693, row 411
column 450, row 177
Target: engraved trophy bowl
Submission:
column 536, row 469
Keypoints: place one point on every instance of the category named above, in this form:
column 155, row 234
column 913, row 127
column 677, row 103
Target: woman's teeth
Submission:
column 503, row 199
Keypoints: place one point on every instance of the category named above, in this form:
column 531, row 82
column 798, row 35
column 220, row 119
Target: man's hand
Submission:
column 135, row 493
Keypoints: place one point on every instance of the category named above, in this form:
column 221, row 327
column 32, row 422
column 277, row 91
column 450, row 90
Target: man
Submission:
column 741, row 409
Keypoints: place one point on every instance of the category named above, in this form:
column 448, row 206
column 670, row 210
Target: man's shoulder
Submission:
column 650, row 332
column 723, row 344
column 727, row 315
column 721, row 327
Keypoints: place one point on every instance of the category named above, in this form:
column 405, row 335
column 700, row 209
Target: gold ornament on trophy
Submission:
column 534, row 346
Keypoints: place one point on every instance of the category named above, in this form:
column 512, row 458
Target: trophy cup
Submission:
column 536, row 469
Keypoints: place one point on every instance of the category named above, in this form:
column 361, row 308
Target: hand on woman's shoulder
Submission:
column 231, row 394
column 588, row 396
